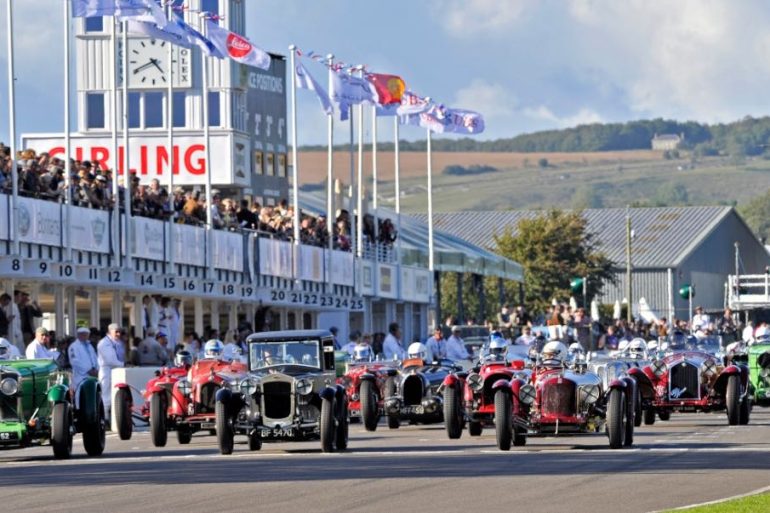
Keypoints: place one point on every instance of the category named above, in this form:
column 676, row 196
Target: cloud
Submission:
column 542, row 113
column 464, row 18
column 491, row 99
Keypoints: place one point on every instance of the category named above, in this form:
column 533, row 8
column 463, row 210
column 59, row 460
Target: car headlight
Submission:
column 527, row 394
column 9, row 386
column 659, row 368
column 765, row 373
column 475, row 381
column 304, row 386
column 589, row 394
column 184, row 387
column 248, row 386
column 709, row 368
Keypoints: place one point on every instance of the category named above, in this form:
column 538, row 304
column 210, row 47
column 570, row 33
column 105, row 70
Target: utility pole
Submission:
column 629, row 290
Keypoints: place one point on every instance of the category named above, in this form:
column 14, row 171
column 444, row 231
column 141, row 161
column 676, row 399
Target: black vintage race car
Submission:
column 289, row 393
column 414, row 394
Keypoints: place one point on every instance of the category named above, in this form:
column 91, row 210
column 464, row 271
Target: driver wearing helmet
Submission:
column 498, row 347
column 418, row 351
column 637, row 349
column 213, row 349
column 678, row 340
column 183, row 359
column 554, row 354
column 8, row 351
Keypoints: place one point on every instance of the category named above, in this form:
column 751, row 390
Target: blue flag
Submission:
column 176, row 32
column 138, row 10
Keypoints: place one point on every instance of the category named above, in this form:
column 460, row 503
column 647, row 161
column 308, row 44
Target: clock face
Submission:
column 148, row 64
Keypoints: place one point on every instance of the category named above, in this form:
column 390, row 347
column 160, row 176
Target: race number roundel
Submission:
column 237, row 46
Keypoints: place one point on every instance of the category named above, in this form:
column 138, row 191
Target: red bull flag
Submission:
column 390, row 88
column 237, row 47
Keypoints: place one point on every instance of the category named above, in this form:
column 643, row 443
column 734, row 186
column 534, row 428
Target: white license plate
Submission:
column 276, row 432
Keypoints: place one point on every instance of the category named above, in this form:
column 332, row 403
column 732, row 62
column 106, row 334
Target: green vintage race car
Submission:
column 36, row 406
column 759, row 372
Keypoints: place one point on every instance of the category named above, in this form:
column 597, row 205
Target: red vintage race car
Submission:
column 470, row 397
column 364, row 384
column 691, row 377
column 559, row 400
column 182, row 401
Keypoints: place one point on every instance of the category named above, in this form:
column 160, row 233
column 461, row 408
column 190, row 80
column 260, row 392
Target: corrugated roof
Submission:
column 663, row 236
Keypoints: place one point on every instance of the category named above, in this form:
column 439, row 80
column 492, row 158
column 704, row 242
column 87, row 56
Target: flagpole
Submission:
column 170, row 121
column 397, row 165
column 126, row 159
column 115, row 150
column 360, row 177
column 330, row 170
column 67, row 177
column 374, row 173
column 430, row 206
column 12, row 134
column 206, row 137
column 351, row 202
column 295, row 166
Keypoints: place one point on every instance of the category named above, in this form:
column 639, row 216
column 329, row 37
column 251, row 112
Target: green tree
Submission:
column 553, row 248
column 543, row 163
column 670, row 195
column 757, row 215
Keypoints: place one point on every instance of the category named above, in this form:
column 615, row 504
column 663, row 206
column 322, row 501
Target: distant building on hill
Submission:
column 667, row 141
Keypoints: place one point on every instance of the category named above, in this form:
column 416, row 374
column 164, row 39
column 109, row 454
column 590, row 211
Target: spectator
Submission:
column 455, row 346
column 5, row 323
column 39, row 348
column 134, row 356
column 526, row 338
column 436, row 345
column 505, row 322
column 30, row 311
column 354, row 338
column 82, row 358
column 151, row 352
column 392, row 347
column 108, row 355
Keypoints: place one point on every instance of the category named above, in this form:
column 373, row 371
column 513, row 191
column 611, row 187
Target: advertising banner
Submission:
column 148, row 238
column 407, row 283
column 423, row 285
column 149, row 156
column 228, row 250
column 366, row 277
column 275, row 258
column 39, row 222
column 5, row 217
column 89, row 229
column 311, row 263
column 189, row 245
column 386, row 282
column 342, row 268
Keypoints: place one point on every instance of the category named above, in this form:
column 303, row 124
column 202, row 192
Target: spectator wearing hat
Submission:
column 455, row 346
column 108, row 353
column 39, row 348
column 82, row 357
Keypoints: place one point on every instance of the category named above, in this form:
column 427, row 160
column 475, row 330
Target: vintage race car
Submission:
column 691, row 377
column 415, row 393
column 36, row 406
column 470, row 397
column 557, row 400
column 365, row 387
column 759, row 372
column 289, row 393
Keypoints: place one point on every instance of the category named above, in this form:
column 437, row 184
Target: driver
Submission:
column 8, row 351
column 183, row 359
column 213, row 349
column 553, row 355
column 678, row 340
column 637, row 349
column 498, row 347
column 362, row 353
column 418, row 350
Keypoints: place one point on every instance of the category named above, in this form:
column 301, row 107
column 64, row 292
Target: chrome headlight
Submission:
column 304, row 386
column 709, row 368
column 589, row 394
column 765, row 373
column 184, row 386
column 475, row 381
column 9, row 386
column 249, row 386
column 527, row 394
column 659, row 368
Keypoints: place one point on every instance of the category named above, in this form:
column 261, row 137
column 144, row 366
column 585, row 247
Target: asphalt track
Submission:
column 690, row 459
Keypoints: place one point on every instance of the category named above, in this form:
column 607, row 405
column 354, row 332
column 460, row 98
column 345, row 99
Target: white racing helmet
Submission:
column 213, row 349
column 637, row 348
column 418, row 350
column 362, row 353
column 498, row 346
column 5, row 349
column 554, row 353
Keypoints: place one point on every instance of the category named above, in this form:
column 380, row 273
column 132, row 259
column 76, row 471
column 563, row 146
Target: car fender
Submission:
column 643, row 383
column 58, row 393
column 720, row 385
column 451, row 381
column 630, row 389
column 224, row 395
column 365, row 377
column 328, row 393
column 501, row 384
column 154, row 389
column 617, row 383
column 88, row 392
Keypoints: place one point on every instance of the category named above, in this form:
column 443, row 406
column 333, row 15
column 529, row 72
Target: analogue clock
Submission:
column 148, row 64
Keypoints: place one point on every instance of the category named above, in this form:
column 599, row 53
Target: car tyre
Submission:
column 184, row 435
column 255, row 442
column 342, row 431
column 745, row 411
column 452, row 414
column 664, row 415
column 224, row 429
column 628, row 436
column 158, row 430
column 475, row 428
column 327, row 425
column 616, row 418
column 61, row 434
column 649, row 416
column 95, row 433
column 503, row 420
column 519, row 436
column 638, row 409
column 369, row 408
column 733, row 400
column 123, row 414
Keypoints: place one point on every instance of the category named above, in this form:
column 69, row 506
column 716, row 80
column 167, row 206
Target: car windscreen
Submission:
column 294, row 352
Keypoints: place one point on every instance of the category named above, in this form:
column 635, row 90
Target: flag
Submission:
column 440, row 119
column 305, row 80
column 237, row 47
column 390, row 88
column 410, row 104
column 177, row 32
column 137, row 10
column 349, row 90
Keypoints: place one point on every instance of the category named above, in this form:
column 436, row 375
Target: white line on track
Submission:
column 718, row 501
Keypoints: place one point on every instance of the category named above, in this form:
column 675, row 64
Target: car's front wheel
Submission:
column 341, row 435
column 123, row 414
column 61, row 434
column 369, row 408
column 327, row 425
column 255, row 442
column 452, row 415
column 503, row 420
column 616, row 418
column 95, row 433
column 733, row 400
column 390, row 390
column 745, row 411
column 224, row 430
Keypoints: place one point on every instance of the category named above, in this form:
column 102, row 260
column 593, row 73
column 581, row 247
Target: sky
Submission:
column 526, row 65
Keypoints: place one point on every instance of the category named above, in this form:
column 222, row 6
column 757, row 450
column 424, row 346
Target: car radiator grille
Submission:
column 208, row 398
column 276, row 399
column 684, row 382
column 413, row 391
column 559, row 398
column 489, row 394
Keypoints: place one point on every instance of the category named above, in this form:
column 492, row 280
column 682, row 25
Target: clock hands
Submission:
column 153, row 62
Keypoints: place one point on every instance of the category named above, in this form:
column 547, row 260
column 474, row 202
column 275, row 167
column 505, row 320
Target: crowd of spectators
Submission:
column 41, row 176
